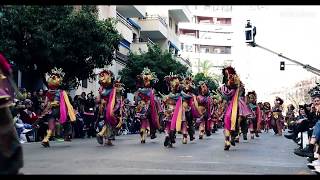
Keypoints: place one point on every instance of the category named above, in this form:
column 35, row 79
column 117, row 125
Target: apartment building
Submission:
column 140, row 26
column 208, row 37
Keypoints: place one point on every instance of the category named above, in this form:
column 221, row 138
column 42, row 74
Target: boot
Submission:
column 227, row 146
column 232, row 142
column 45, row 141
column 208, row 133
column 305, row 152
column 166, row 141
column 99, row 138
column 237, row 139
column 201, row 134
column 142, row 135
column 153, row 136
column 257, row 135
column 109, row 142
column 172, row 137
column 184, row 139
column 245, row 137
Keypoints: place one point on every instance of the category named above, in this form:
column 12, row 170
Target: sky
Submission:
column 293, row 31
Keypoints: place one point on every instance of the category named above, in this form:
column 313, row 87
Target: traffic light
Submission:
column 282, row 64
column 250, row 32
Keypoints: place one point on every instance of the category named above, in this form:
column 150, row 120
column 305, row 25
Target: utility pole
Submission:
column 250, row 32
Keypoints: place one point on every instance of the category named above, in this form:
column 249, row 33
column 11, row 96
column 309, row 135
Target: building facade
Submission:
column 297, row 94
column 140, row 26
column 208, row 37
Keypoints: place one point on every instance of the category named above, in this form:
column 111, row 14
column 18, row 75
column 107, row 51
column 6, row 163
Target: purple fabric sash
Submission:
column 154, row 113
column 63, row 109
column 176, row 114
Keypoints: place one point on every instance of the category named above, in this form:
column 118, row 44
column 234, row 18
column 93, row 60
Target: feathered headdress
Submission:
column 230, row 70
column 171, row 77
column 58, row 72
column 117, row 83
column 280, row 100
column 146, row 71
column 315, row 91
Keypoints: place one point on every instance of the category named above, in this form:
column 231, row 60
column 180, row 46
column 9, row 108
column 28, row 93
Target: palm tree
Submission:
column 205, row 65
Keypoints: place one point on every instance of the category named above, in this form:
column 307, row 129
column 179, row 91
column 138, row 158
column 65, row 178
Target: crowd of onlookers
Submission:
column 31, row 126
column 306, row 123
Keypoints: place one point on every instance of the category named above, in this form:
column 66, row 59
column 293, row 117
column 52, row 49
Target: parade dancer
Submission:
column 267, row 116
column 255, row 116
column 277, row 117
column 290, row 116
column 147, row 106
column 11, row 157
column 243, row 122
column 204, row 106
column 215, row 112
column 173, row 113
column 188, row 99
column 57, row 107
column 231, row 89
column 110, row 106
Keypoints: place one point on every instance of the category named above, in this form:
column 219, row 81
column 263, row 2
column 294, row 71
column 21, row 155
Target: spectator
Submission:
column 78, row 125
column 308, row 151
column 300, row 125
column 89, row 116
column 36, row 103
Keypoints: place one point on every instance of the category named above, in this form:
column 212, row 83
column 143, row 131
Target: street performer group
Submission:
column 185, row 107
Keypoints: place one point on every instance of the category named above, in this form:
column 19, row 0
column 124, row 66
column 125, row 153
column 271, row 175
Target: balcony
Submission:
column 183, row 61
column 154, row 27
column 207, row 27
column 131, row 11
column 121, row 58
column 180, row 13
column 140, row 45
column 124, row 28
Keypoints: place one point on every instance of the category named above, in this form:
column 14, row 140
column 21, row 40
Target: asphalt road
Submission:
column 268, row 154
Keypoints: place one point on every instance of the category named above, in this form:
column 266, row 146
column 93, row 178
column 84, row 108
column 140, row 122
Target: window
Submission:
column 176, row 28
column 170, row 22
column 189, row 48
column 194, row 19
column 206, row 8
column 134, row 37
column 85, row 83
column 181, row 46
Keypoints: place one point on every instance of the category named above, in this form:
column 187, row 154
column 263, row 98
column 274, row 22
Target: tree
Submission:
column 212, row 83
column 38, row 38
column 206, row 65
column 161, row 62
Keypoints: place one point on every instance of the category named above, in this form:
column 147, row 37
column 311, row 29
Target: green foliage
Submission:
column 38, row 38
column 161, row 62
column 212, row 83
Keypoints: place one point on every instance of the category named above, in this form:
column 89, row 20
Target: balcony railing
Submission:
column 156, row 17
column 143, row 40
column 124, row 20
column 122, row 58
column 184, row 60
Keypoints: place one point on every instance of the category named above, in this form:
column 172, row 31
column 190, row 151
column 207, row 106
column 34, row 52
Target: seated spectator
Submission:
column 308, row 151
column 300, row 125
column 23, row 129
column 26, row 114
